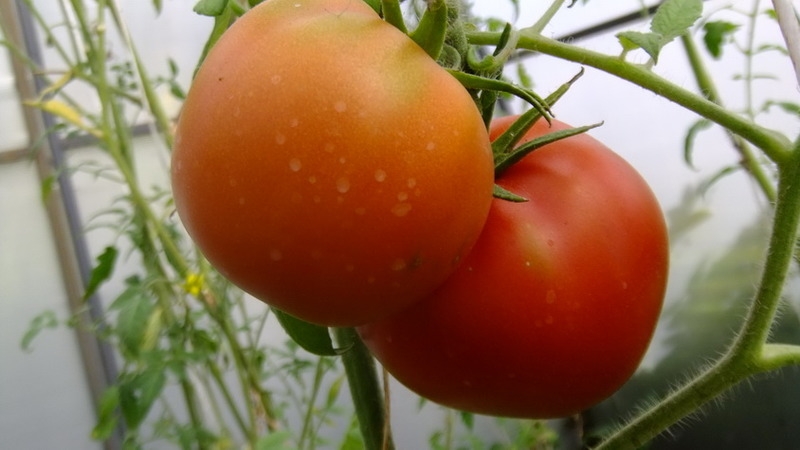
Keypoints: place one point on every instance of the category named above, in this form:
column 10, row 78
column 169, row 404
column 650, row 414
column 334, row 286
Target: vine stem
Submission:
column 547, row 16
column 706, row 84
column 774, row 145
column 749, row 353
column 362, row 377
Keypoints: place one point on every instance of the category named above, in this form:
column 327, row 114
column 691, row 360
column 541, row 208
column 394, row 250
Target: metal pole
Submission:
column 62, row 211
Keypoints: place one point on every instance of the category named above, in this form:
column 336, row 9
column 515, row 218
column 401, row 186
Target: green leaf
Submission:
column 106, row 414
column 691, row 135
column 137, row 394
column 211, row 8
column 102, row 271
column 715, row 34
column 277, row 440
column 45, row 320
column 651, row 43
column 672, row 19
column 788, row 107
column 312, row 338
column 158, row 5
column 706, row 185
column 504, row 194
column 134, row 312
column 353, row 440
column 432, row 27
column 675, row 17
column 468, row 419
column 333, row 392
column 506, row 160
column 47, row 187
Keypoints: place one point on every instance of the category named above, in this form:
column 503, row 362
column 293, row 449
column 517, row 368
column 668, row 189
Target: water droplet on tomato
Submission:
column 275, row 255
column 380, row 176
column 342, row 185
column 411, row 183
column 430, row 146
column 402, row 196
column 280, row 138
column 401, row 209
column 340, row 106
column 398, row 264
column 275, row 79
column 295, row 165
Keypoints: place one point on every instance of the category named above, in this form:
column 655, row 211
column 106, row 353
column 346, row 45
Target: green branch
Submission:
column 365, row 390
column 774, row 145
column 706, row 85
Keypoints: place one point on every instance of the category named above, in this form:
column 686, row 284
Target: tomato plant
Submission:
column 327, row 165
column 555, row 306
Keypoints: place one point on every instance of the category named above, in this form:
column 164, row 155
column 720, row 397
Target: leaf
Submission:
column 102, row 271
column 66, row 113
column 333, row 392
column 715, row 34
column 47, row 187
column 432, row 27
column 706, row 186
column 134, row 311
column 788, row 107
column 672, row 19
column 353, row 440
column 106, row 417
column 675, row 17
column 210, row 8
column 45, row 320
column 691, row 135
column 468, row 419
column 277, row 440
column 137, row 394
column 158, row 5
column 504, row 194
column 312, row 338
column 651, row 43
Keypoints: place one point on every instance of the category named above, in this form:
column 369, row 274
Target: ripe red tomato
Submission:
column 327, row 165
column 554, row 307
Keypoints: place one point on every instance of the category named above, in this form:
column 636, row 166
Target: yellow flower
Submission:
column 194, row 283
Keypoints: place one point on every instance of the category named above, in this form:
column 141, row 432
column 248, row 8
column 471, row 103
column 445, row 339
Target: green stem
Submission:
column 319, row 372
column 222, row 385
column 153, row 102
column 774, row 145
column 365, row 389
column 393, row 14
column 780, row 255
column 707, row 87
column 548, row 15
column 749, row 354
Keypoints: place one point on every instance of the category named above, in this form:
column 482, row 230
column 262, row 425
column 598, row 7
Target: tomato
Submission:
column 324, row 163
column 554, row 307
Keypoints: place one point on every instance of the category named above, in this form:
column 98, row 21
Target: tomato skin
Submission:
column 554, row 307
column 326, row 165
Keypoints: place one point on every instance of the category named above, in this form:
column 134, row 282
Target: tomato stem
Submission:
column 365, row 388
column 774, row 145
